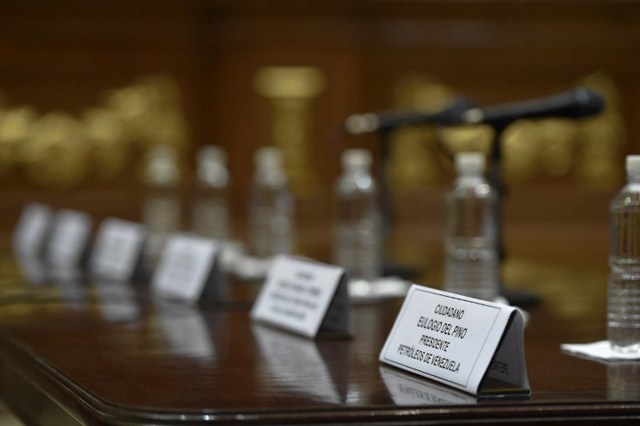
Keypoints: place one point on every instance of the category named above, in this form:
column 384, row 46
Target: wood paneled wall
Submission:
column 62, row 55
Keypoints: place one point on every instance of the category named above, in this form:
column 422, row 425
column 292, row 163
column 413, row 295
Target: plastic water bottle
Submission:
column 210, row 212
column 271, row 206
column 358, row 239
column 471, row 258
column 623, row 316
column 162, row 209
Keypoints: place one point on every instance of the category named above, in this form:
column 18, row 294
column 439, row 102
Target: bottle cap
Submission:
column 212, row 169
column 356, row 159
column 470, row 163
column 269, row 157
column 633, row 165
column 269, row 170
column 162, row 166
column 213, row 154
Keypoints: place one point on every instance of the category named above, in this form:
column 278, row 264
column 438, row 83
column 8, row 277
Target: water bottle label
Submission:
column 188, row 265
column 466, row 343
column 117, row 249
column 304, row 297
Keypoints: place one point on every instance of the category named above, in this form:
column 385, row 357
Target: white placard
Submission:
column 466, row 343
column 186, row 266
column 69, row 239
column 32, row 230
column 304, row 297
column 117, row 249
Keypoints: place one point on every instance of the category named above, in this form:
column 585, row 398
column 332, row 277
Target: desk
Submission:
column 106, row 354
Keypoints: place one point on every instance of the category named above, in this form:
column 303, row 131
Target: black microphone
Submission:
column 576, row 103
column 382, row 121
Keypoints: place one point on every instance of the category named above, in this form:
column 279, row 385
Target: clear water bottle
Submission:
column 270, row 206
column 358, row 233
column 623, row 313
column 162, row 208
column 471, row 256
column 210, row 212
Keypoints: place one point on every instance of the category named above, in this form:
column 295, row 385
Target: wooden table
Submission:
column 90, row 353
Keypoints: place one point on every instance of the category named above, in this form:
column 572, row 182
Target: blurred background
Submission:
column 89, row 88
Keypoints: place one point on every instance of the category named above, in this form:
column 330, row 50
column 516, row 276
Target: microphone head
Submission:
column 576, row 103
column 588, row 102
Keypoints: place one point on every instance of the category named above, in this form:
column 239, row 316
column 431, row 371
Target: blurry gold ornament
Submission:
column 409, row 146
column 422, row 92
column 289, row 82
column 59, row 151
column 152, row 110
column 161, row 92
column 109, row 143
column 413, row 149
column 602, row 138
column 466, row 138
column 166, row 128
column 16, row 126
column 558, row 146
column 56, row 155
column 520, row 147
column 290, row 92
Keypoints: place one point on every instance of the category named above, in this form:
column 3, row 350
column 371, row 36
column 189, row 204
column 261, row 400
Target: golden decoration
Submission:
column 413, row 153
column 602, row 138
column 59, row 150
column 520, row 147
column 466, row 138
column 152, row 109
column 289, row 82
column 559, row 146
column 16, row 127
column 290, row 92
column 108, row 139
column 57, row 153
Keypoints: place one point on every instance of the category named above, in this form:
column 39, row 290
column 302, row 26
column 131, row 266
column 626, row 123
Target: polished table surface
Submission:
column 104, row 353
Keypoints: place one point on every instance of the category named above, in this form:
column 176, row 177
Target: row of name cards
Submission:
column 187, row 270
column 188, row 266
column 62, row 237
column 304, row 297
column 466, row 343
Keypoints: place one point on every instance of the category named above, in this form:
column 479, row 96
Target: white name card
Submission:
column 466, row 343
column 69, row 239
column 186, row 267
column 117, row 249
column 304, row 297
column 32, row 230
